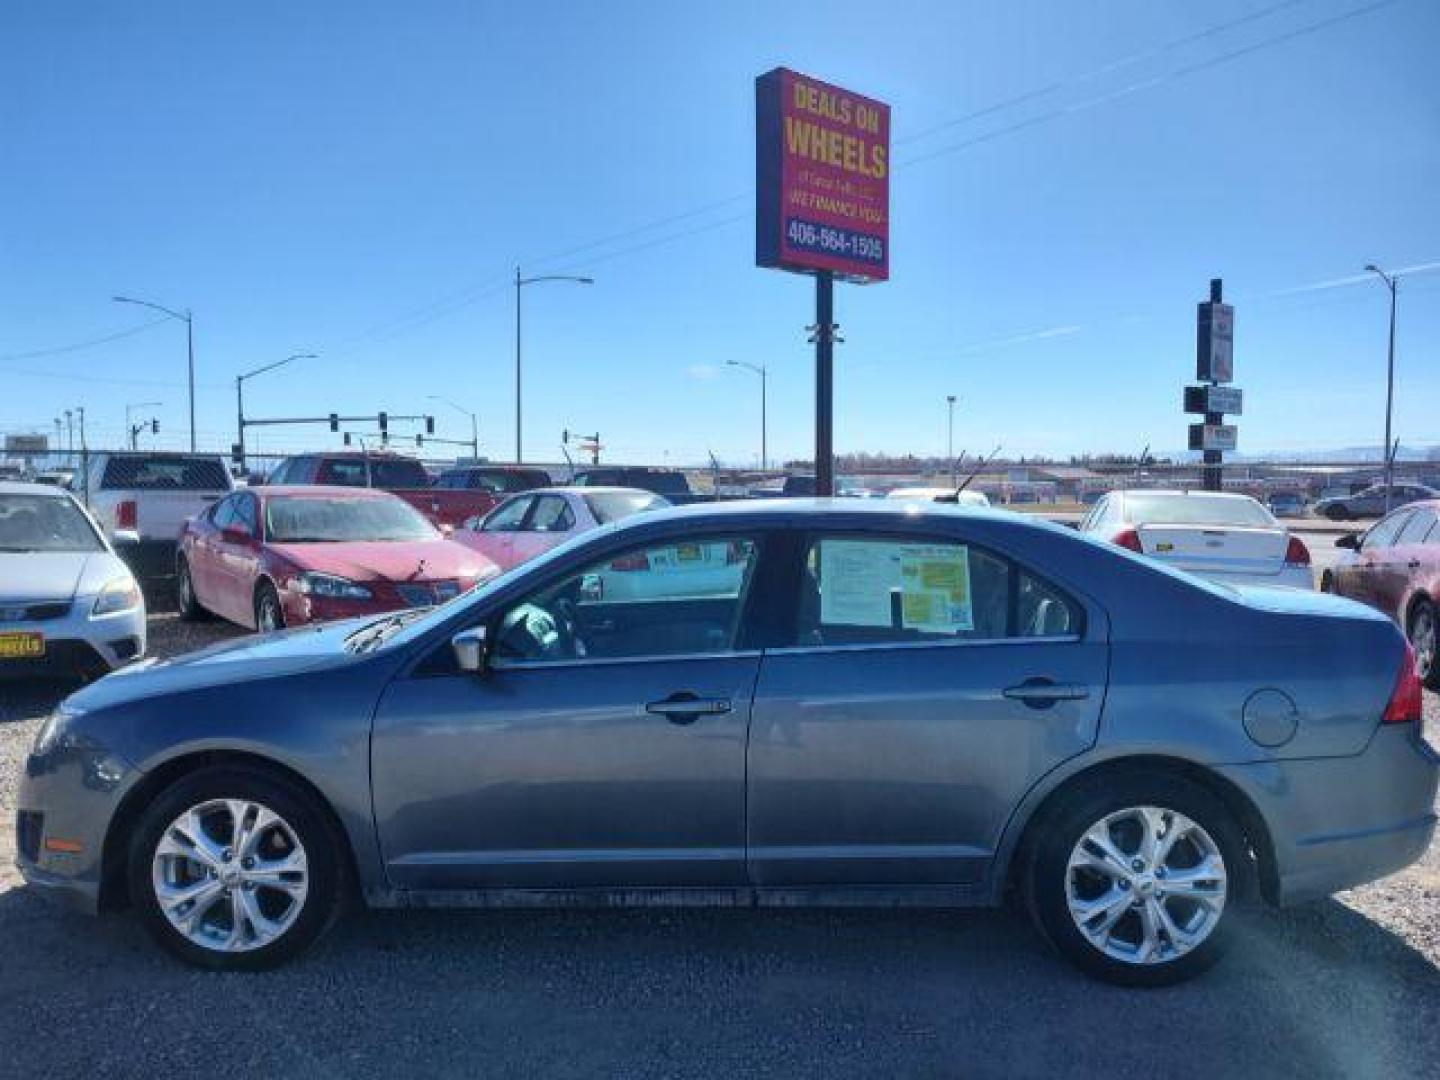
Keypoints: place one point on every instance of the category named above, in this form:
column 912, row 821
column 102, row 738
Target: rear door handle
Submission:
column 684, row 707
column 1042, row 693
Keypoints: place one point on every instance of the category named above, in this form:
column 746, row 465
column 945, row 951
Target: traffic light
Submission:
column 235, row 455
column 347, row 438
column 419, row 440
column 335, row 425
column 429, row 425
column 154, row 427
column 384, row 424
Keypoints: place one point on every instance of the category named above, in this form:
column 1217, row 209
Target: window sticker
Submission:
column 935, row 588
column 856, row 579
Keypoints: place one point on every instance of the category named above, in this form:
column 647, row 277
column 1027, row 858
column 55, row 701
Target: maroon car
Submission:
column 280, row 556
column 1395, row 566
column 395, row 473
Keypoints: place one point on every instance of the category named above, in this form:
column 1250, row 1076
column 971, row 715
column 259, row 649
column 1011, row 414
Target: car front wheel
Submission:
column 189, row 604
column 1135, row 879
column 269, row 615
column 234, row 868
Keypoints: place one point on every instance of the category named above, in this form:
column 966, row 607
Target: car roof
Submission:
column 1183, row 491
column 787, row 511
column 338, row 491
column 25, row 487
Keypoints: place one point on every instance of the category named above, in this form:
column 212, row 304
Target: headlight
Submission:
column 53, row 730
column 122, row 594
column 312, row 584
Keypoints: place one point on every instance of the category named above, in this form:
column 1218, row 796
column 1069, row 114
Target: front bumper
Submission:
column 1340, row 822
column 79, row 643
column 65, row 804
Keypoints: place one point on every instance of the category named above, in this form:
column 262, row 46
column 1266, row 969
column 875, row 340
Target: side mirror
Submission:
column 469, row 647
column 1349, row 540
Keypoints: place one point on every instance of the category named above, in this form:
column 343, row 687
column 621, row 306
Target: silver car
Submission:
column 893, row 704
column 68, row 605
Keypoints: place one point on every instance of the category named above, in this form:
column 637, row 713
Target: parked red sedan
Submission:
column 1395, row 566
column 282, row 556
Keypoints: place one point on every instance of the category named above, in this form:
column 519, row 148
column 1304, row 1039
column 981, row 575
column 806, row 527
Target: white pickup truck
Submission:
column 141, row 500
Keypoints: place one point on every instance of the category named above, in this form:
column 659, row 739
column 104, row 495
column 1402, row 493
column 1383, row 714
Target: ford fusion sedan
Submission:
column 1373, row 501
column 284, row 556
column 1395, row 566
column 530, row 524
column 1225, row 537
column 68, row 605
column 892, row 704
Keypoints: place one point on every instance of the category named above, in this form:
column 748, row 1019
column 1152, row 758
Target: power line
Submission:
column 79, row 346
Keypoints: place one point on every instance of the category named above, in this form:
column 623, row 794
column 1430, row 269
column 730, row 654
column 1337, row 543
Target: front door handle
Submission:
column 684, row 707
column 1042, row 693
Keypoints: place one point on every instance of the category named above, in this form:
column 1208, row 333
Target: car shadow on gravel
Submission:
column 1318, row 992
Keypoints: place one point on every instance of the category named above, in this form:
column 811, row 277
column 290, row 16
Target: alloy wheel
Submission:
column 1146, row 885
column 230, row 875
column 269, row 618
column 1423, row 634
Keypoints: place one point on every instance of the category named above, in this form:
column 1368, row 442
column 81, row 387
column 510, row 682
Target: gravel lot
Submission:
column 1349, row 987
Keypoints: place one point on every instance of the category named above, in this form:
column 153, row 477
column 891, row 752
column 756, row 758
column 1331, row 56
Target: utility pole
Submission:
column 950, row 439
column 84, row 456
column 188, row 319
column 1393, row 284
column 474, row 423
column 824, row 336
column 758, row 369
column 240, row 401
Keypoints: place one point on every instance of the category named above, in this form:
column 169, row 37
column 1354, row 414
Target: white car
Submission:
column 1228, row 538
column 941, row 495
column 68, row 604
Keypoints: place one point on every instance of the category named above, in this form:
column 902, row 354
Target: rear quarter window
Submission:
column 164, row 474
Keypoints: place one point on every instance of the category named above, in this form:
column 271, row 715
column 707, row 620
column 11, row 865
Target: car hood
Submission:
column 252, row 657
column 56, row 575
column 368, row 560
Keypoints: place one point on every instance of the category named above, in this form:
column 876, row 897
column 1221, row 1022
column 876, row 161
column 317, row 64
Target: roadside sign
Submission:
column 1215, row 343
column 1213, row 436
column 822, row 178
column 27, row 445
column 1214, row 399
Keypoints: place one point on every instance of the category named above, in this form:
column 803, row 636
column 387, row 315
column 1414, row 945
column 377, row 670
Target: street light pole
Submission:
column 240, row 396
column 763, row 372
column 187, row 318
column 474, row 423
column 950, row 438
column 1393, row 284
column 521, row 282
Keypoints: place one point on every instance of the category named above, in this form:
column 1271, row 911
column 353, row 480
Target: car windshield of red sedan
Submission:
column 313, row 519
column 44, row 523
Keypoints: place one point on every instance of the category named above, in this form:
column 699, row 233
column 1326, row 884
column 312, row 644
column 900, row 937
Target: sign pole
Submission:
column 824, row 383
column 1212, row 474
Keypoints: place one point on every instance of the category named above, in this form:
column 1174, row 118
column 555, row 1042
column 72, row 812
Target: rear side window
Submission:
column 872, row 591
column 165, row 473
column 551, row 514
column 1420, row 525
column 1383, row 533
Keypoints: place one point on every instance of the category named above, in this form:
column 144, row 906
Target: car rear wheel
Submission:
column 1337, row 513
column 190, row 608
column 234, row 868
column 269, row 615
column 1424, row 635
column 1134, row 879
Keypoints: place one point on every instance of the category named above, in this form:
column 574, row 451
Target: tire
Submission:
column 185, row 600
column 269, row 612
column 206, row 797
column 1422, row 630
column 1050, row 880
column 1337, row 513
column 1327, row 582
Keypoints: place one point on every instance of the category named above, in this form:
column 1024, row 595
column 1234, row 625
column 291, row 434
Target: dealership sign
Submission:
column 1215, row 343
column 822, row 171
column 1213, row 437
column 25, row 445
column 1229, row 400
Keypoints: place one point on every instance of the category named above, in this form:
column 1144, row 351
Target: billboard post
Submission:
column 822, row 207
column 1214, row 366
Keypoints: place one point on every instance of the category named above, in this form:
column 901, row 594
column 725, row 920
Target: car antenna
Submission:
column 993, row 455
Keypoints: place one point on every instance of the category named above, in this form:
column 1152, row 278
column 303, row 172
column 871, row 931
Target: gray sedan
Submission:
column 888, row 704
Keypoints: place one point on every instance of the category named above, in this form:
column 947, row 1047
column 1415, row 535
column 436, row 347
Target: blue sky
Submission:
column 359, row 179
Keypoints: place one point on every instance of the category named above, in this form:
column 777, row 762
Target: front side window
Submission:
column 871, row 591
column 509, row 517
column 671, row 599
column 245, row 516
column 222, row 515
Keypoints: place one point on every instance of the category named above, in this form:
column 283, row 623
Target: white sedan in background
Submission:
column 68, row 605
column 941, row 495
column 1228, row 538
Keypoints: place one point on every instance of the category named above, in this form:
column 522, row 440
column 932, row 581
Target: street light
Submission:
column 474, row 422
column 240, row 396
column 133, row 431
column 950, row 439
column 520, row 282
column 758, row 369
column 189, row 322
column 1393, row 284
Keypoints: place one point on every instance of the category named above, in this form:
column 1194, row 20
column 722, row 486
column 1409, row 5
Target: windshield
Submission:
column 44, row 523
column 1173, row 508
column 608, row 506
column 388, row 474
column 313, row 519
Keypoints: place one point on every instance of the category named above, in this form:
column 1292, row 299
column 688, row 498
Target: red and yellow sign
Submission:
column 822, row 170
